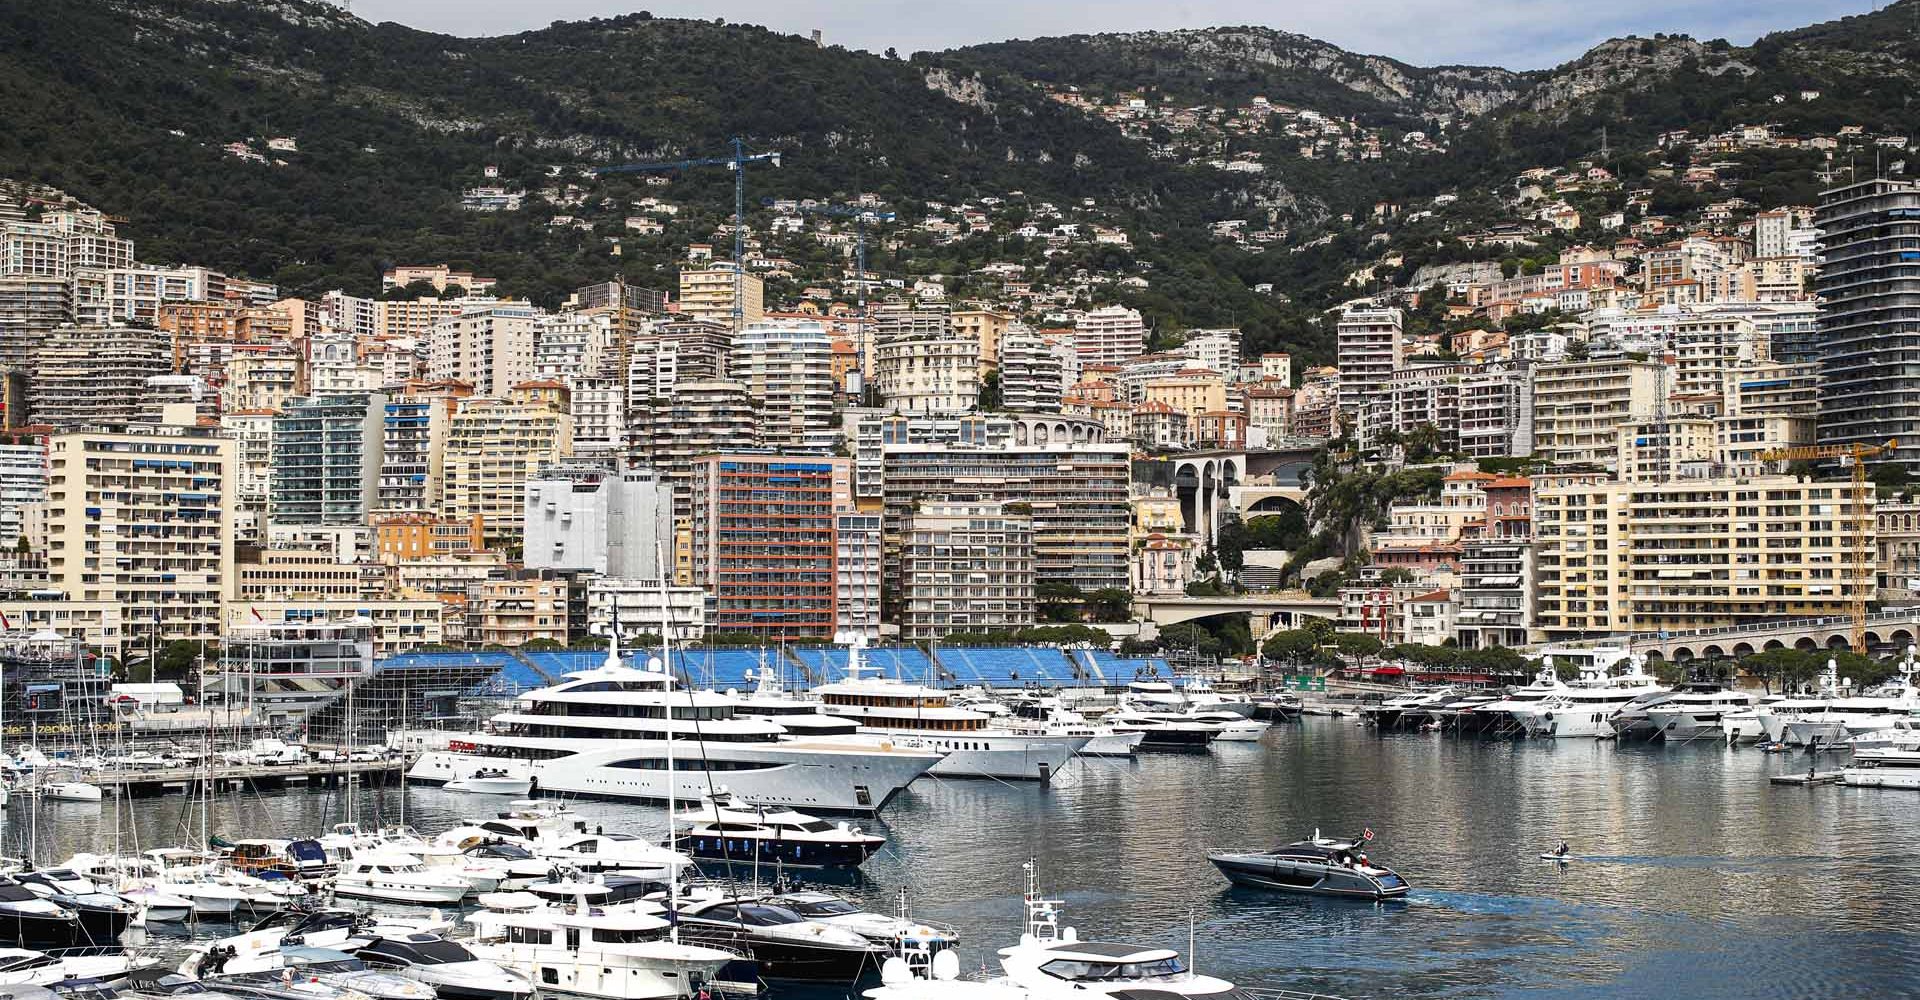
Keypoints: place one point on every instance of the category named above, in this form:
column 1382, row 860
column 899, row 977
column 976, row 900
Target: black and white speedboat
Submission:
column 454, row 972
column 104, row 916
column 29, row 920
column 882, row 929
column 725, row 829
column 786, row 944
column 1318, row 867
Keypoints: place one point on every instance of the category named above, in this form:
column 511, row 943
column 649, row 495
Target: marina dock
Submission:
column 1810, row 778
column 258, row 777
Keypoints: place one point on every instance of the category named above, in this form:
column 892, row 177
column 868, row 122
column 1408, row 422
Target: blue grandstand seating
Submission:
column 1010, row 666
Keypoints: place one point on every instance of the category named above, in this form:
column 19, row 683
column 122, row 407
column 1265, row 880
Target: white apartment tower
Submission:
column 1370, row 350
column 490, row 348
column 788, row 368
column 1109, row 335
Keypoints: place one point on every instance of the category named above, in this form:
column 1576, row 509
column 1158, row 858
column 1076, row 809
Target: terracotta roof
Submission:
column 1438, row 595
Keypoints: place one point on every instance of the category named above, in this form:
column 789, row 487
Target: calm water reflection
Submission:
column 1703, row 880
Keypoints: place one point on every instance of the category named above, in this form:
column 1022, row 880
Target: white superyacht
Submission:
column 972, row 744
column 1586, row 709
column 603, row 733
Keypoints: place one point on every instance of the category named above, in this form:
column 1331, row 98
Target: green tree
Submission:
column 1111, row 604
column 1357, row 644
column 1059, row 601
column 991, row 398
column 1292, row 645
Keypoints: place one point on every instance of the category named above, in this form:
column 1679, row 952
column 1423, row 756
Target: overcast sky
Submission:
column 1519, row 34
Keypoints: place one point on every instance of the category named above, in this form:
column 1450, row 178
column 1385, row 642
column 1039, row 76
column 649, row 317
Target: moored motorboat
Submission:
column 454, row 972
column 491, row 781
column 723, row 828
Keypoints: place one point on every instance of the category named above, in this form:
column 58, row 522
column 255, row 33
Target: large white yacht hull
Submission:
column 1112, row 745
column 1803, row 732
column 1675, row 725
column 1570, row 723
column 1009, row 758
column 814, row 775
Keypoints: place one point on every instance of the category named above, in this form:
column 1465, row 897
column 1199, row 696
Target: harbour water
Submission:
column 1697, row 877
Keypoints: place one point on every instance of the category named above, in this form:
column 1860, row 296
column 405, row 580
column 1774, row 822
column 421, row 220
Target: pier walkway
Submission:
column 238, row 777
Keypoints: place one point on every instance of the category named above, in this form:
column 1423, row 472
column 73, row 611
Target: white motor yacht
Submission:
column 1160, row 729
column 1773, row 719
column 191, row 875
column 1843, row 718
column 1545, row 684
column 491, row 781
column 1697, row 711
column 622, row 954
column 1230, row 727
column 1413, row 705
column 448, row 967
column 25, row 967
column 1199, row 694
column 725, row 828
column 617, row 853
column 1102, row 740
column 1588, row 706
column 1904, row 734
column 604, row 733
column 971, row 744
column 393, row 877
column 69, row 791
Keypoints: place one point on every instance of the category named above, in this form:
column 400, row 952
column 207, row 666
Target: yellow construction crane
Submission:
column 1859, row 534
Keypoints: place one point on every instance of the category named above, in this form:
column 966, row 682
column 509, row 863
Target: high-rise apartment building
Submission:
column 1110, row 335
column 668, row 353
column 413, row 446
column 965, row 566
column 1580, row 406
column 95, row 376
column 763, row 541
column 31, row 308
column 1613, row 558
column 1033, row 371
column 986, row 328
column 490, row 348
column 141, row 517
column 493, row 447
column 928, row 374
column 709, row 294
column 788, row 369
column 1369, row 350
column 1869, row 325
column 1076, row 486
column 326, row 459
column 859, row 546
column 23, row 481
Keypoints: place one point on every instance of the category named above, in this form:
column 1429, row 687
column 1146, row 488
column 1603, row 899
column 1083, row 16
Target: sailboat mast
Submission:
column 673, row 803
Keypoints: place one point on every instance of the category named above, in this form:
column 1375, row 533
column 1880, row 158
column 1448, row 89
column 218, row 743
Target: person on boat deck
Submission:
column 1363, row 861
column 1562, row 849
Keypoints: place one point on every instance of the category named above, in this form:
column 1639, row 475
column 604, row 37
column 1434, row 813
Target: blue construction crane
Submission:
column 860, row 216
column 736, row 163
